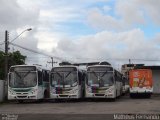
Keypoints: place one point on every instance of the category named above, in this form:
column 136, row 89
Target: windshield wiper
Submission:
column 59, row 75
column 20, row 83
column 26, row 74
column 18, row 74
column 94, row 74
column 67, row 74
column 104, row 73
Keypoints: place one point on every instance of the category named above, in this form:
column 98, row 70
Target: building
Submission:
column 126, row 67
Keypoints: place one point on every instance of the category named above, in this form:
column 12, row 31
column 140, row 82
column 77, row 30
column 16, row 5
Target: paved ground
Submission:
column 87, row 109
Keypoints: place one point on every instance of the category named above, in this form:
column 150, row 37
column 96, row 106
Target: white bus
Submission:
column 27, row 82
column 66, row 82
column 103, row 82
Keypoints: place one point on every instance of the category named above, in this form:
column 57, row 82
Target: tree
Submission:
column 15, row 58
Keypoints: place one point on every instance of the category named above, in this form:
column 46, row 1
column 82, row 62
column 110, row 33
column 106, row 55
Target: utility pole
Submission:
column 6, row 53
column 6, row 64
column 53, row 62
column 129, row 61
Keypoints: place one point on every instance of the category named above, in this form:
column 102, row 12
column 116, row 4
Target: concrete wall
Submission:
column 156, row 81
column 2, row 93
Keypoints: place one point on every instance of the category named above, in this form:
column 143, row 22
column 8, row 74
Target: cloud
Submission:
column 151, row 8
column 100, row 21
column 47, row 41
column 107, row 8
column 14, row 16
column 115, row 25
column 138, row 11
column 130, row 12
column 16, row 19
column 125, row 15
column 109, row 46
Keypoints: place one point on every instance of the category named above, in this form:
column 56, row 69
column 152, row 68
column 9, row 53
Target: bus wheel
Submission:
column 46, row 94
column 20, row 101
column 148, row 95
column 113, row 99
column 131, row 95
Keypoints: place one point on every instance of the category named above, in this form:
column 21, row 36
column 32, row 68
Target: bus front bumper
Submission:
column 141, row 90
column 22, row 97
column 64, row 96
column 99, row 95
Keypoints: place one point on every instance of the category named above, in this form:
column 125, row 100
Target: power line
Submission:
column 34, row 51
column 52, row 62
column 119, row 59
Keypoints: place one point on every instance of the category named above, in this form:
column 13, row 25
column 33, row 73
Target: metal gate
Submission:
column 156, row 81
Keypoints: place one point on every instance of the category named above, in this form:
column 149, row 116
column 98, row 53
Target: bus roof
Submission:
column 37, row 66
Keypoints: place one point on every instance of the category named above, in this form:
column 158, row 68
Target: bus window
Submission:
column 79, row 77
column 39, row 78
column 45, row 76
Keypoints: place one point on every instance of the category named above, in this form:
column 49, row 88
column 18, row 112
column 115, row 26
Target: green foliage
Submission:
column 15, row 58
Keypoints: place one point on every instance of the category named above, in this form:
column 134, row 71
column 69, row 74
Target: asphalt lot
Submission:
column 86, row 109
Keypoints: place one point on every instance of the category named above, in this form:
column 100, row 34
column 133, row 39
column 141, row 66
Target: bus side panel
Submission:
column 140, row 81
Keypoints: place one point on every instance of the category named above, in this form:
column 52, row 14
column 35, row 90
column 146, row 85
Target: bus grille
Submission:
column 21, row 93
column 99, row 94
column 63, row 95
column 21, row 96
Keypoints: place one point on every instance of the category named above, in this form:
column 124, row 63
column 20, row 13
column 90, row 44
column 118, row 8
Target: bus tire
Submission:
column 20, row 101
column 113, row 99
column 46, row 94
column 131, row 95
column 148, row 95
column 123, row 94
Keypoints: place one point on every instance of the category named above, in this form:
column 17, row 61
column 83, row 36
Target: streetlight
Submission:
column 6, row 51
column 29, row 29
column 6, row 48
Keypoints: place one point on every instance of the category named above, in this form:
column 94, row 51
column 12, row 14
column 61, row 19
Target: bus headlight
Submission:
column 53, row 91
column 74, row 91
column 110, row 91
column 34, row 91
column 12, row 92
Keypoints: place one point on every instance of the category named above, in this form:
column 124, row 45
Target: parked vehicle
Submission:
column 66, row 82
column 103, row 81
column 27, row 82
column 141, row 82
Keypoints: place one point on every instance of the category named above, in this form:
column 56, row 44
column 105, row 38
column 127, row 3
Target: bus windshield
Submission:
column 64, row 79
column 22, row 79
column 101, row 79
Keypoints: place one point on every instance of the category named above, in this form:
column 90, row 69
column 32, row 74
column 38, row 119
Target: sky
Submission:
column 84, row 30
